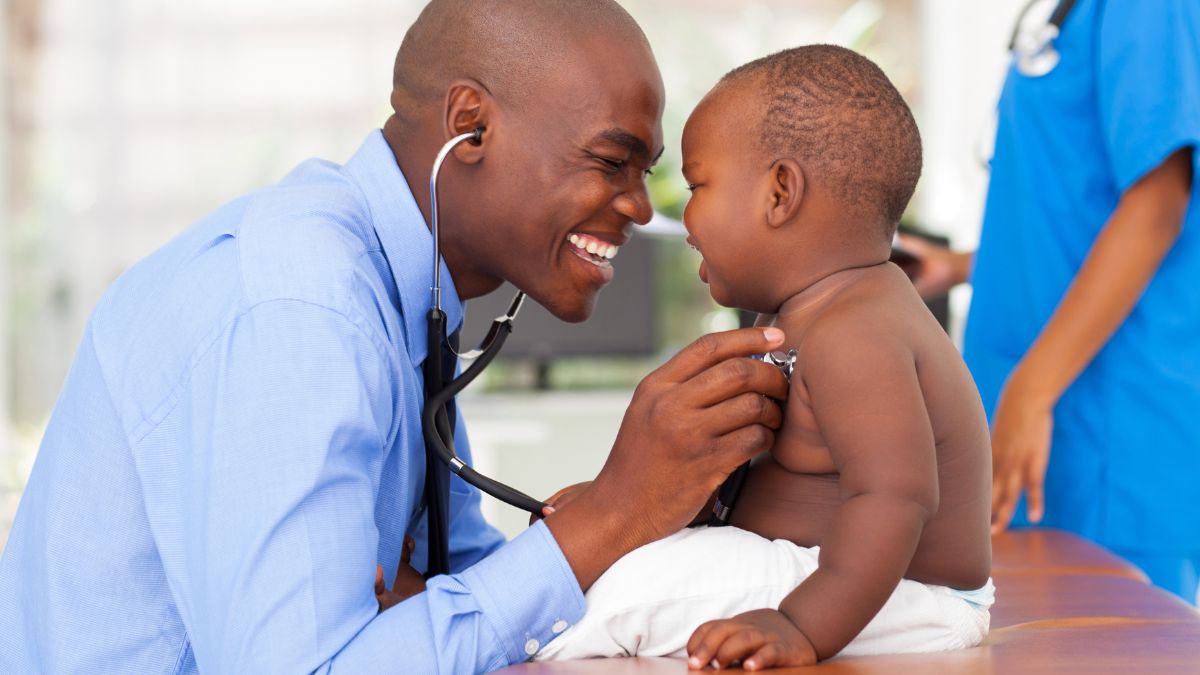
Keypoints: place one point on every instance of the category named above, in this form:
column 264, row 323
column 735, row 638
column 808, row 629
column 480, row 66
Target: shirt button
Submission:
column 559, row 626
column 531, row 647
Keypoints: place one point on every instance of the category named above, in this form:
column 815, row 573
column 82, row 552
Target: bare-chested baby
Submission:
column 865, row 529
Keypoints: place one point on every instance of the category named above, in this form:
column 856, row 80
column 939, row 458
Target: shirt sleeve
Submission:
column 280, row 540
column 1149, row 83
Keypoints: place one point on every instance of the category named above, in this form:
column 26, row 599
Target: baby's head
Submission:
column 800, row 165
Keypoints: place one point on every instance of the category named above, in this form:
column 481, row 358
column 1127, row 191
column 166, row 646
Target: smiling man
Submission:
column 238, row 444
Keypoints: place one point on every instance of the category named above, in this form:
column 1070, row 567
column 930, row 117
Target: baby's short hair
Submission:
column 835, row 110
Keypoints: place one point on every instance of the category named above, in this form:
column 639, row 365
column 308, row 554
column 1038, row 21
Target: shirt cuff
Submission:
column 527, row 592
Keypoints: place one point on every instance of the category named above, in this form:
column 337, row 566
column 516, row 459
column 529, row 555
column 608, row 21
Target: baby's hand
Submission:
column 408, row 583
column 763, row 638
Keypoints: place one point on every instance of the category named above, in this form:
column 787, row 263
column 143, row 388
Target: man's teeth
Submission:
column 596, row 247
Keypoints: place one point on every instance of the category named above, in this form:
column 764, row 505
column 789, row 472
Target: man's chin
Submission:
column 575, row 309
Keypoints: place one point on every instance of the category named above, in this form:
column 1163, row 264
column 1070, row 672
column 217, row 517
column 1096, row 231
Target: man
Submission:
column 238, row 444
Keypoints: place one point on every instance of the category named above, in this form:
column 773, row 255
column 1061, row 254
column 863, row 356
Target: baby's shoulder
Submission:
column 856, row 320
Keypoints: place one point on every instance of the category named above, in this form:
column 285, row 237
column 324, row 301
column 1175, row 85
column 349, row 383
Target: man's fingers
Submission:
column 746, row 443
column 406, row 551
column 742, row 411
column 735, row 377
column 711, row 349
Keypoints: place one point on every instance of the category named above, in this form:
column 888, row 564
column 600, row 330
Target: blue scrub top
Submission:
column 1125, row 459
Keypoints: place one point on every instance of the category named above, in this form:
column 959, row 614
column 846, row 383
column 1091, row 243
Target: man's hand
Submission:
column 938, row 269
column 409, row 582
column 1021, row 429
column 763, row 638
column 691, row 422
column 560, row 499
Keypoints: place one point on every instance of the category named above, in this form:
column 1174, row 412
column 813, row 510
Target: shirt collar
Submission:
column 406, row 240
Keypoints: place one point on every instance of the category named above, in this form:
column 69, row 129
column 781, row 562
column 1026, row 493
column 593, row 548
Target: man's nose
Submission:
column 634, row 203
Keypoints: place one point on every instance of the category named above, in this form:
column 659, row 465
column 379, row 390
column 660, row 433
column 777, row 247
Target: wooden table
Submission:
column 1063, row 606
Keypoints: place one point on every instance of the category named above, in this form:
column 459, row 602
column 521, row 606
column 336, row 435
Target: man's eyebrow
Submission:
column 632, row 143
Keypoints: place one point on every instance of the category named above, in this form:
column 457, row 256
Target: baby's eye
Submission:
column 691, row 187
column 649, row 172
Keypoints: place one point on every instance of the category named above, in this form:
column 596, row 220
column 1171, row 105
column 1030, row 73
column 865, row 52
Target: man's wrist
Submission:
column 593, row 532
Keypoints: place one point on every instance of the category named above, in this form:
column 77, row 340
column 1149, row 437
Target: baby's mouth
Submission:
column 592, row 249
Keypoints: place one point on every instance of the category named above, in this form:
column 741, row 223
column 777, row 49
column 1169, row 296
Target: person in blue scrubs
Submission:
column 1084, row 328
column 238, row 444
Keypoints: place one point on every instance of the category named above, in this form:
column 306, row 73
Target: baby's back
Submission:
column 794, row 491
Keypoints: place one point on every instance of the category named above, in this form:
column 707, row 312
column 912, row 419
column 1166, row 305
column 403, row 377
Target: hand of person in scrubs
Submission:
column 1125, row 257
column 1021, row 429
column 689, row 425
column 409, row 582
column 938, row 270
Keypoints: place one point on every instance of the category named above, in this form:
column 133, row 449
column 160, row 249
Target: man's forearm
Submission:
column 1125, row 257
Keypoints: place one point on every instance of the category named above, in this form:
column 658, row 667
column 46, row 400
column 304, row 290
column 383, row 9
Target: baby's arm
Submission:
column 868, row 403
column 862, row 380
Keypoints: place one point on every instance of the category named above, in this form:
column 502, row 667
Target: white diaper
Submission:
column 651, row 600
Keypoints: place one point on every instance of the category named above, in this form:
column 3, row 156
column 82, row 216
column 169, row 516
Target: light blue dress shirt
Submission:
column 238, row 444
column 1125, row 458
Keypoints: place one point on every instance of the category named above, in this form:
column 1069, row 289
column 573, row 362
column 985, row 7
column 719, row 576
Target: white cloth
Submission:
column 651, row 600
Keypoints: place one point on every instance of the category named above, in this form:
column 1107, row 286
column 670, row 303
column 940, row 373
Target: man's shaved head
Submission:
column 570, row 100
column 509, row 46
column 836, row 112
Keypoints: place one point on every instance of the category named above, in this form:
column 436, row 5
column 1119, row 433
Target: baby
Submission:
column 864, row 530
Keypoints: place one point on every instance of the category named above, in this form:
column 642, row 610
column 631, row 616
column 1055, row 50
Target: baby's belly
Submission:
column 780, row 504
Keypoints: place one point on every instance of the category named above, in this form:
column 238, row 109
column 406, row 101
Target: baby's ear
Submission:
column 786, row 192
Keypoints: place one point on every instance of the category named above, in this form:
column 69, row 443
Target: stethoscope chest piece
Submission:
column 1036, row 55
column 1034, row 47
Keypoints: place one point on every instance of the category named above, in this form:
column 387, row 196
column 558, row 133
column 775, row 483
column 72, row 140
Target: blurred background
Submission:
column 124, row 121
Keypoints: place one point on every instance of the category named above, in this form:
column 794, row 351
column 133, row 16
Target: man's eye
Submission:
column 613, row 166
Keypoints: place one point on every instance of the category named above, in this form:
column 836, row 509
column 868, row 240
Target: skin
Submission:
column 566, row 150
column 1125, row 257
column 883, row 458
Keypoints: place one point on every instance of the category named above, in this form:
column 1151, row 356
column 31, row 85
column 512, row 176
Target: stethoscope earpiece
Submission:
column 477, row 136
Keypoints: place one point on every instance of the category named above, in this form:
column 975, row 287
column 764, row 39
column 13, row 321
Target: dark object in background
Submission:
column 908, row 262
column 625, row 322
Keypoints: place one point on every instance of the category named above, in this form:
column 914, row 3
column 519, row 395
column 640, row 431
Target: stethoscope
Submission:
column 1035, row 55
column 436, row 424
column 1034, row 50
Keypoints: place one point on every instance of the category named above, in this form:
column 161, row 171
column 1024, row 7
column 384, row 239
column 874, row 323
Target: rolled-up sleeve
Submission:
column 1149, row 83
column 271, row 552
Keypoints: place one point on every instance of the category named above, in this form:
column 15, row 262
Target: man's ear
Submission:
column 469, row 106
column 786, row 192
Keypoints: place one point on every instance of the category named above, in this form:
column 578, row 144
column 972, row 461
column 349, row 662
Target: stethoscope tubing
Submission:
column 436, row 427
